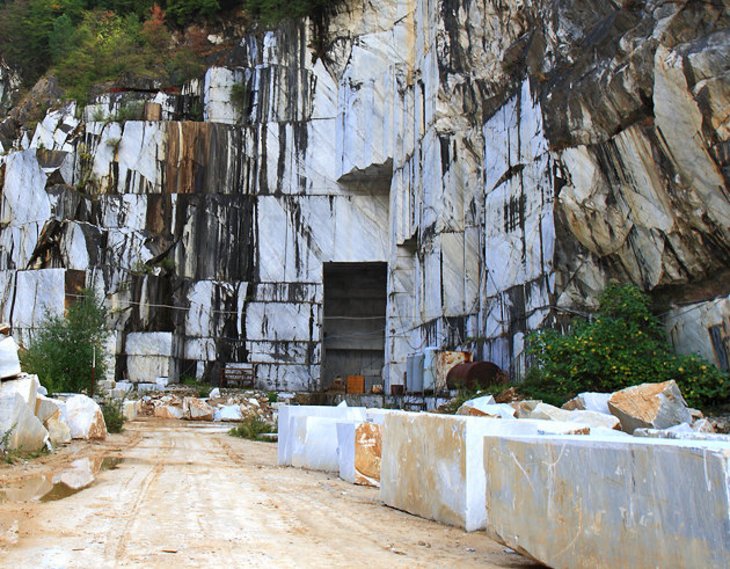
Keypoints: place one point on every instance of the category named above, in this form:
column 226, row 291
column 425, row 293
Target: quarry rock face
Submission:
column 500, row 165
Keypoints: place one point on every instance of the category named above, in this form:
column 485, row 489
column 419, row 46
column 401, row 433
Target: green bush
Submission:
column 113, row 415
column 252, row 428
column 63, row 350
column 624, row 345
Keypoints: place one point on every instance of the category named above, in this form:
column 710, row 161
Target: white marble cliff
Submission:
column 505, row 159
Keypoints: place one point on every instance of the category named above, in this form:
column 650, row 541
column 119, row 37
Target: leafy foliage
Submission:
column 624, row 345
column 63, row 351
column 270, row 12
column 113, row 415
column 252, row 428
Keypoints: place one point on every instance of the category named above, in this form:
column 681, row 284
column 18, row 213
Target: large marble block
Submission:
column 287, row 428
column 587, row 502
column 360, row 452
column 432, row 465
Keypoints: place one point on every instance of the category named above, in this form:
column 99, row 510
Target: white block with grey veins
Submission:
column 9, row 362
column 346, row 451
column 26, row 386
column 286, row 427
column 432, row 464
column 605, row 503
column 149, row 344
column 27, row 432
column 85, row 418
column 315, row 442
column 650, row 406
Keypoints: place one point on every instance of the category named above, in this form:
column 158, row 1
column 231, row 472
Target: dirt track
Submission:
column 188, row 495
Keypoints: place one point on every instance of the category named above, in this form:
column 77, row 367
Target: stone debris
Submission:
column 197, row 410
column 168, row 411
column 229, row 413
column 650, row 406
column 550, row 413
column 85, row 418
column 589, row 401
column 496, row 410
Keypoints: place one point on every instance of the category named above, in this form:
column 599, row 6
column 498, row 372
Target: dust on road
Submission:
column 189, row 495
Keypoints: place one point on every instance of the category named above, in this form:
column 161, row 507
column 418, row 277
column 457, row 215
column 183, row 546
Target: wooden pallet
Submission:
column 238, row 375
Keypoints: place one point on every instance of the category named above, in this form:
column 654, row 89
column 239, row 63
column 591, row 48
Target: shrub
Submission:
column 63, row 351
column 624, row 345
column 113, row 415
column 252, row 428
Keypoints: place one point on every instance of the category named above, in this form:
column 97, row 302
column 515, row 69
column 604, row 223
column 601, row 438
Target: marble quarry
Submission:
column 471, row 170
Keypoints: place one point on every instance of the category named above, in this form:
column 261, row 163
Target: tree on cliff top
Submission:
column 64, row 349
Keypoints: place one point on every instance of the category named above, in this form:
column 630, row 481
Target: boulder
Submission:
column 9, row 362
column 26, row 431
column 197, row 410
column 85, row 418
column 650, row 406
column 589, row 401
column 215, row 393
column 524, row 408
column 25, row 385
column 550, row 413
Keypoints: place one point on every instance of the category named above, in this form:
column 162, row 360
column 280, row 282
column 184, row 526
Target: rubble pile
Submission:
column 220, row 406
column 31, row 421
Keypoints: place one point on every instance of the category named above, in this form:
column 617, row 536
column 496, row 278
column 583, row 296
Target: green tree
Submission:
column 63, row 351
column 624, row 345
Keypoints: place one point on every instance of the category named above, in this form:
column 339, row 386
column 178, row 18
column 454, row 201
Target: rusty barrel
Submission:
column 475, row 374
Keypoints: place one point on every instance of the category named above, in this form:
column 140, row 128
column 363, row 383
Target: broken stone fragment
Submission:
column 24, row 385
column 79, row 475
column 476, row 405
column 230, row 413
column 9, row 362
column 524, row 408
column 85, row 418
column 589, row 401
column 45, row 407
column 196, row 409
column 130, row 409
column 495, row 410
column 650, row 405
column 550, row 413
column 26, row 431
column 169, row 412
column 58, row 429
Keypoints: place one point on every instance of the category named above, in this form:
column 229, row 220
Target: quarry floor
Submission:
column 189, row 495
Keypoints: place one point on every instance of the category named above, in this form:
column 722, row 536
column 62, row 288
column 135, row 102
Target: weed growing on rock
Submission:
column 113, row 415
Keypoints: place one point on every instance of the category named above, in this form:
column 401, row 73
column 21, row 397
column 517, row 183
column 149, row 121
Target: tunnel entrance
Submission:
column 353, row 331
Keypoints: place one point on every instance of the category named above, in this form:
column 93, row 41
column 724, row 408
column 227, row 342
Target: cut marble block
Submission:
column 287, row 414
column 591, row 502
column 314, row 443
column 432, row 464
column 359, row 452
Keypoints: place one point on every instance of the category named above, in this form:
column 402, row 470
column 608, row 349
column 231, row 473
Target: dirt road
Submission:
column 189, row 495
